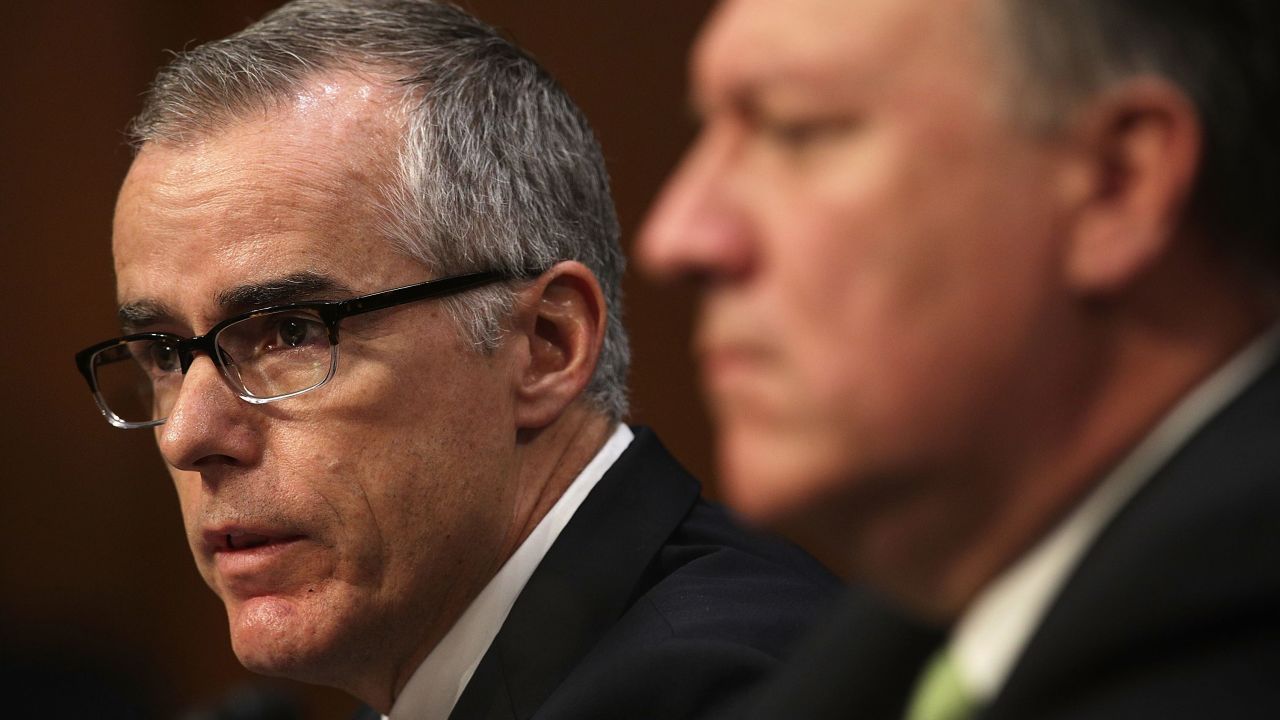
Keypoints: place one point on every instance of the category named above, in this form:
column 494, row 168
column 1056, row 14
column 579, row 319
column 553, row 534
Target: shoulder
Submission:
column 716, row 610
column 716, row 578
column 1173, row 608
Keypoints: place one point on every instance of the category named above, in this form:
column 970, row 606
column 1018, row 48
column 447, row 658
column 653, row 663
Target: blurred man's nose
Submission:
column 208, row 423
column 698, row 228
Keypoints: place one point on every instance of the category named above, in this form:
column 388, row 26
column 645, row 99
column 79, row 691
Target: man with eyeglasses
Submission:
column 368, row 273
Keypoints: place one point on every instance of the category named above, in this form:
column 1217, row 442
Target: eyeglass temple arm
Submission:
column 424, row 291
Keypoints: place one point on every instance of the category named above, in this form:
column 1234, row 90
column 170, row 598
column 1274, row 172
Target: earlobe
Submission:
column 1139, row 149
column 562, row 320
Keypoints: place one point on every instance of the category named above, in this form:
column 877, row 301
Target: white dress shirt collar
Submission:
column 995, row 629
column 434, row 688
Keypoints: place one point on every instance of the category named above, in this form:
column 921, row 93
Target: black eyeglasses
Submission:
column 265, row 355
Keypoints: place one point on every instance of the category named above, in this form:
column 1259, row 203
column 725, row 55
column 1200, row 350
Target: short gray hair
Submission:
column 498, row 169
column 1222, row 53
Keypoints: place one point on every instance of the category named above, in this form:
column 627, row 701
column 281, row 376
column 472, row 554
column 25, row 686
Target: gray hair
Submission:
column 497, row 170
column 1221, row 53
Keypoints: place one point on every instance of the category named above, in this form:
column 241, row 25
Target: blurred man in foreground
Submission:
column 368, row 272
column 989, row 320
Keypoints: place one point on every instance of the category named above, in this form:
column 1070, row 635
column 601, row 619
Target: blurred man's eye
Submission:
column 803, row 134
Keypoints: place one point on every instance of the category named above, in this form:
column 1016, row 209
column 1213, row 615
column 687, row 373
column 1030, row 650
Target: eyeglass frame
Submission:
column 331, row 312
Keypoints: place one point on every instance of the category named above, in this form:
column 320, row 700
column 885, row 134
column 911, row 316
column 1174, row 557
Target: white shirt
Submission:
column 438, row 682
column 996, row 627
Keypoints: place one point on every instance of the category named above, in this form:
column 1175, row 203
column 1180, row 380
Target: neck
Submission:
column 547, row 461
column 551, row 458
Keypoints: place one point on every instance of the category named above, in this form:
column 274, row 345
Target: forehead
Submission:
column 295, row 189
column 769, row 44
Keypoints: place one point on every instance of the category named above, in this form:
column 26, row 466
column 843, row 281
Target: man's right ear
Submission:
column 560, row 320
column 1136, row 153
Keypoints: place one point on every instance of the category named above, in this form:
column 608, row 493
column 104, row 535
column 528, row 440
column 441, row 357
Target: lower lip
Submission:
column 245, row 564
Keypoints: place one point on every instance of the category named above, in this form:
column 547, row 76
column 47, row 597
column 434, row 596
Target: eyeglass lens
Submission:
column 263, row 356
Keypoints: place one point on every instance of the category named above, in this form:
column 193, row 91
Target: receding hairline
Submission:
column 384, row 90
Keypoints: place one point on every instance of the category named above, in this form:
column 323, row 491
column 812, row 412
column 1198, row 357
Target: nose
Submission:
column 698, row 227
column 208, row 424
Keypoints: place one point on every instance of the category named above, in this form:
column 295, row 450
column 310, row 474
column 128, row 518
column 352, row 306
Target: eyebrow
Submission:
column 743, row 98
column 281, row 291
column 747, row 88
column 142, row 313
column 296, row 287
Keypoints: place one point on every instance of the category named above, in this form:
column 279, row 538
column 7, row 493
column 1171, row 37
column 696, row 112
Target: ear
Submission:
column 1139, row 152
column 561, row 319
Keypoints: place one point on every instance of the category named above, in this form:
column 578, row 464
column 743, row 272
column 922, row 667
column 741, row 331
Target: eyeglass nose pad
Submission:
column 229, row 366
column 185, row 357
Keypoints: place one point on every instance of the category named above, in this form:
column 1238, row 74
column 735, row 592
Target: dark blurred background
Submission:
column 101, row 611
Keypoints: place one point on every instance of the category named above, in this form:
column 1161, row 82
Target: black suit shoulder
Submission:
column 718, row 610
column 1173, row 609
column 653, row 603
column 1171, row 613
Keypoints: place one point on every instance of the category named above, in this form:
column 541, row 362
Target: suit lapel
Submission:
column 587, row 580
column 1193, row 552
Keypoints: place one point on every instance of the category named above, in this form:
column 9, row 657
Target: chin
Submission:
column 273, row 636
column 770, row 475
column 803, row 486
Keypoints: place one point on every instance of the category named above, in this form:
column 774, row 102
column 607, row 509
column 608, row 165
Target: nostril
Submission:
column 211, row 460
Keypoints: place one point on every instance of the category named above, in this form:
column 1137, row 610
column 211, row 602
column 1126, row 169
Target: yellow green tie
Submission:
column 940, row 693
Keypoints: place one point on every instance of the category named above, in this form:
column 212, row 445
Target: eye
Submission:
column 295, row 331
column 292, row 332
column 163, row 357
column 793, row 134
column 803, row 134
column 154, row 357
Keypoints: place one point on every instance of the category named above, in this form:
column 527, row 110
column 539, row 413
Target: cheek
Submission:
column 860, row 294
column 868, row 293
column 191, row 501
column 187, row 486
column 412, row 482
column 341, row 478
column 859, row 242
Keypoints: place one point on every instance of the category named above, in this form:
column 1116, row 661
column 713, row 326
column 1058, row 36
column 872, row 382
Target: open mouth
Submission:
column 245, row 541
column 253, row 563
column 236, row 541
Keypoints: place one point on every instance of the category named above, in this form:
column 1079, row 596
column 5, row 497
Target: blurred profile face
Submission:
column 344, row 528
column 874, row 239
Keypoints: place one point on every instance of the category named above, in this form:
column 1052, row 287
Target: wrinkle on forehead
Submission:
column 208, row 179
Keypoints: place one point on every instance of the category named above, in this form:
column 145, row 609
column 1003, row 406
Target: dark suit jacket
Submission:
column 1174, row 611
column 652, row 604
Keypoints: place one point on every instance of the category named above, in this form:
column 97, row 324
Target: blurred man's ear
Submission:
column 560, row 323
column 1137, row 151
